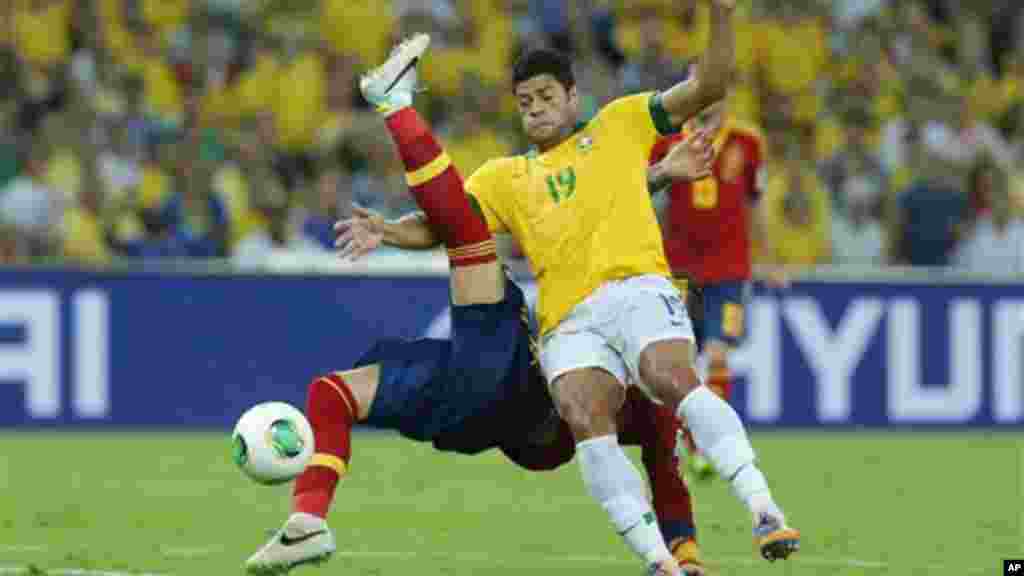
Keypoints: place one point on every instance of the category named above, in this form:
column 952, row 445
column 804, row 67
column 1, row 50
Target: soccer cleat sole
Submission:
column 779, row 545
column 412, row 48
column 280, row 569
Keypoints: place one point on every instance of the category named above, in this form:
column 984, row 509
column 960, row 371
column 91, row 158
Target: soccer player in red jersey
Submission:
column 707, row 228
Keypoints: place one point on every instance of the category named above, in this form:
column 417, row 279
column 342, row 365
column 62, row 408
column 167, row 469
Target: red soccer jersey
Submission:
column 708, row 234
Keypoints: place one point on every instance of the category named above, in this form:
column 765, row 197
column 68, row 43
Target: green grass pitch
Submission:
column 108, row 504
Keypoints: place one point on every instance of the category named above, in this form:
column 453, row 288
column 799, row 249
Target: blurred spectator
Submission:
column 381, row 187
column 12, row 248
column 995, row 243
column 857, row 237
column 684, row 26
column 8, row 149
column 298, row 113
column 980, row 190
column 198, row 218
column 856, row 160
column 794, row 48
column 375, row 22
column 333, row 197
column 929, row 219
column 552, row 17
column 167, row 18
column 848, row 15
column 272, row 236
column 120, row 162
column 154, row 181
column 84, row 237
column 472, row 141
column 653, row 67
column 42, row 41
column 798, row 215
column 32, row 207
column 163, row 82
column 261, row 184
column 966, row 143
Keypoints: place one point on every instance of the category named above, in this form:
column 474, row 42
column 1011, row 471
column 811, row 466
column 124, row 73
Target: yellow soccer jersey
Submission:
column 581, row 211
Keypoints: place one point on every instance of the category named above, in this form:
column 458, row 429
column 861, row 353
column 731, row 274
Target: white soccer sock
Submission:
column 719, row 433
column 615, row 483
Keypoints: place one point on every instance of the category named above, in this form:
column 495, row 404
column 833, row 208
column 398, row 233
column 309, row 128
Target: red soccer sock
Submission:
column 437, row 187
column 672, row 502
column 332, row 410
column 720, row 382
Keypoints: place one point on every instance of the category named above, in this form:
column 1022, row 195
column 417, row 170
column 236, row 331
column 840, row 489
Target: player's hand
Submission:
column 359, row 235
column 690, row 159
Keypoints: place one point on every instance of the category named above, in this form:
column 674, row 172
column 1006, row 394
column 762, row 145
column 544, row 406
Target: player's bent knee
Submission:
column 589, row 401
column 361, row 383
column 667, row 370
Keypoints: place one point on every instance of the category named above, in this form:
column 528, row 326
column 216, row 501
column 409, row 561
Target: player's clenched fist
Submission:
column 359, row 235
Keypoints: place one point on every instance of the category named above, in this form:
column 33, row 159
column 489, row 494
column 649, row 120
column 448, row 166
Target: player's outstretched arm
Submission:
column 711, row 81
column 366, row 231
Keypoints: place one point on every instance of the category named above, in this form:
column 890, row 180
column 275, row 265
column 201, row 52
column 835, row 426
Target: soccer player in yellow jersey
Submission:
column 610, row 316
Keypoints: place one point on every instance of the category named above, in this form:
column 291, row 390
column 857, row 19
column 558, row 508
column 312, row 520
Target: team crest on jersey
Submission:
column 585, row 143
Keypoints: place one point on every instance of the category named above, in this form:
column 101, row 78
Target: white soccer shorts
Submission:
column 612, row 326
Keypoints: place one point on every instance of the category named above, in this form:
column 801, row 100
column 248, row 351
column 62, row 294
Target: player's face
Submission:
column 547, row 109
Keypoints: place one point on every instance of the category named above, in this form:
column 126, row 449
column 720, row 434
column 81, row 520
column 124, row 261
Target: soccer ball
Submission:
column 272, row 443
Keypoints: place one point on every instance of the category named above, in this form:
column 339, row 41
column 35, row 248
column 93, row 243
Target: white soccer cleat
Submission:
column 304, row 539
column 390, row 86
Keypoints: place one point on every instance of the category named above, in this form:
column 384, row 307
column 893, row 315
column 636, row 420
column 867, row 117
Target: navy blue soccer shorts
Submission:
column 430, row 386
column 724, row 312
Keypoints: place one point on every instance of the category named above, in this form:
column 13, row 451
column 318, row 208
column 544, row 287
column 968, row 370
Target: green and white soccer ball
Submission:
column 272, row 443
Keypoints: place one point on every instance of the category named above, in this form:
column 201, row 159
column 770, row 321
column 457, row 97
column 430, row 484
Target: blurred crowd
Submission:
column 210, row 129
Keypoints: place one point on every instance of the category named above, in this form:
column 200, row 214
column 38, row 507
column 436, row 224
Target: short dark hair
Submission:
column 543, row 61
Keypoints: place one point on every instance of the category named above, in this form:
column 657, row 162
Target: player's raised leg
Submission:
column 334, row 403
column 434, row 181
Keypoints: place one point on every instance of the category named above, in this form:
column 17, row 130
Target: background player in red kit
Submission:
column 708, row 228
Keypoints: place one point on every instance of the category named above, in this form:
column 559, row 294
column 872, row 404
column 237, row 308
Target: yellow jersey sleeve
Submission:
column 484, row 190
column 638, row 120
